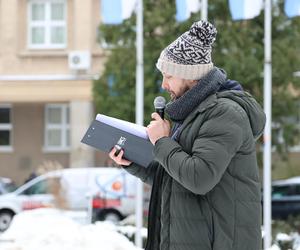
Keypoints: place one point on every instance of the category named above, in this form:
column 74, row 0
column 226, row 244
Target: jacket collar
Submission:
column 208, row 103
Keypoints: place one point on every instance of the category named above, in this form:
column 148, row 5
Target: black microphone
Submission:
column 159, row 105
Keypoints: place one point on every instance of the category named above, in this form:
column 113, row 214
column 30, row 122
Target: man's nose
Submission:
column 165, row 85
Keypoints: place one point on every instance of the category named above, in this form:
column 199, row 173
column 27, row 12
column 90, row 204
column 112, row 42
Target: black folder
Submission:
column 104, row 137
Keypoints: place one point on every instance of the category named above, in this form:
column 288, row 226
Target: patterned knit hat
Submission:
column 189, row 56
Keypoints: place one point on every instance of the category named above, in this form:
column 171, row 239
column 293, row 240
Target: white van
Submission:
column 111, row 191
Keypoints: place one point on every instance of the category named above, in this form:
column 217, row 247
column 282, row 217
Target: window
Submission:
column 46, row 186
column 57, row 127
column 285, row 190
column 47, row 24
column 297, row 189
column 5, row 127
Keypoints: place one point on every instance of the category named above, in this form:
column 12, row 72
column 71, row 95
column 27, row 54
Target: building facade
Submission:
column 49, row 56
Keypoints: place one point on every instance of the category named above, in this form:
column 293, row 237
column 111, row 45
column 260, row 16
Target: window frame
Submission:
column 7, row 126
column 46, row 24
column 64, row 127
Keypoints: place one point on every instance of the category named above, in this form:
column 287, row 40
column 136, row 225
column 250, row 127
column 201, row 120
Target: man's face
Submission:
column 176, row 86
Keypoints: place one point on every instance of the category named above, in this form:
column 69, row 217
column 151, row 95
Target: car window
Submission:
column 297, row 189
column 45, row 186
column 281, row 191
column 10, row 187
column 6, row 186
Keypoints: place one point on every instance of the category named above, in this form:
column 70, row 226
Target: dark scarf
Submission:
column 177, row 111
column 180, row 108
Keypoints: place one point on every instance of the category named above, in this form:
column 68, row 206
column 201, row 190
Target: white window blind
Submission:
column 57, row 127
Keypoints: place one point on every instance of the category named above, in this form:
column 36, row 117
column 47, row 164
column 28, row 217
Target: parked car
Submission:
column 104, row 200
column 285, row 198
column 73, row 189
column 6, row 185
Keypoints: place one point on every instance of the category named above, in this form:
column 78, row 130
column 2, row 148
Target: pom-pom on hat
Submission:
column 189, row 56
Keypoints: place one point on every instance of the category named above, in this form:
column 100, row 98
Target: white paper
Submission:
column 129, row 127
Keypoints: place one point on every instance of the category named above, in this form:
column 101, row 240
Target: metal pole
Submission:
column 204, row 10
column 89, row 197
column 139, row 113
column 267, row 132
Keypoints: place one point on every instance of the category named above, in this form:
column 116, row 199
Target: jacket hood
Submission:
column 230, row 85
column 254, row 111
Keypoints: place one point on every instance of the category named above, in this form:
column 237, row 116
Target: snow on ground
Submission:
column 292, row 239
column 50, row 229
column 274, row 247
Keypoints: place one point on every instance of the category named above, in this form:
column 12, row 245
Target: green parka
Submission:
column 211, row 195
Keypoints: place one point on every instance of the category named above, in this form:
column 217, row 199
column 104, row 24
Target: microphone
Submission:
column 159, row 105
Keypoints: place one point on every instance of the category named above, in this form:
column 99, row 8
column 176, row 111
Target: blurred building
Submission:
column 49, row 56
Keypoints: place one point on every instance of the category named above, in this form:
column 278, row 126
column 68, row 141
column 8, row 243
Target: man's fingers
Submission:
column 120, row 155
column 126, row 163
column 112, row 152
column 150, row 124
column 155, row 116
column 118, row 159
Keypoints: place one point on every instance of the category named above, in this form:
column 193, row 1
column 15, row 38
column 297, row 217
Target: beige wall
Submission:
column 28, row 97
column 45, row 91
column 83, row 18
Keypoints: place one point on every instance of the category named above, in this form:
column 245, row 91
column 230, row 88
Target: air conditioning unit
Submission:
column 79, row 60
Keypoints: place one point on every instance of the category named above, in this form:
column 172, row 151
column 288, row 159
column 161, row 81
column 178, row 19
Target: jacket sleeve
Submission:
column 145, row 174
column 219, row 138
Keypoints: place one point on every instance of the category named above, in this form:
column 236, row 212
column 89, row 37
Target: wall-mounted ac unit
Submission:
column 79, row 60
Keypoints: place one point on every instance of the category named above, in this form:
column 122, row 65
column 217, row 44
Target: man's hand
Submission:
column 118, row 159
column 158, row 128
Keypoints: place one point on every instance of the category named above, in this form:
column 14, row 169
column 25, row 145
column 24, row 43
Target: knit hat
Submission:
column 189, row 56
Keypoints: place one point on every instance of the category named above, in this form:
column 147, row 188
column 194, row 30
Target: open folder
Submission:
column 105, row 132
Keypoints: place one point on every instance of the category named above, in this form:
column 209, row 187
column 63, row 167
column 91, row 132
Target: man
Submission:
column 205, row 182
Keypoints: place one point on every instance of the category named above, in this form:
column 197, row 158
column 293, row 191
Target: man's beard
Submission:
column 181, row 93
column 173, row 96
